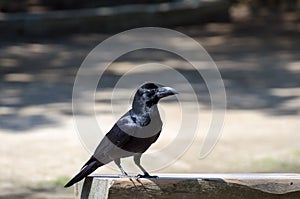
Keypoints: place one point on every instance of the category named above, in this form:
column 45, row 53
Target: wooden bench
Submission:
column 219, row 186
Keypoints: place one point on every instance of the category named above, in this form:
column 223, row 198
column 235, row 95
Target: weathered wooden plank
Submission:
column 221, row 186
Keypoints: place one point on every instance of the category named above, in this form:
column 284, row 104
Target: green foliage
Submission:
column 61, row 181
column 270, row 164
column 297, row 154
column 25, row 5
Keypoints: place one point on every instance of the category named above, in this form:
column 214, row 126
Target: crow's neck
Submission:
column 141, row 111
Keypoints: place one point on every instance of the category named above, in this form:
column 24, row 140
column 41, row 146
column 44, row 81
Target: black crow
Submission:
column 132, row 134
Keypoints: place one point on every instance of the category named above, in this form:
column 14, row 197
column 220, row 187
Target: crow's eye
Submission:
column 149, row 93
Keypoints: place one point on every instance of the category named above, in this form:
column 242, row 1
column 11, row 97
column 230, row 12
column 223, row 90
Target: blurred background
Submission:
column 255, row 44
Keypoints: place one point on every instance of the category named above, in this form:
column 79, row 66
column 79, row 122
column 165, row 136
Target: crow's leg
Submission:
column 137, row 161
column 118, row 163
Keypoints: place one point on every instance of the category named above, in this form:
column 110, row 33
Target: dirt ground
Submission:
column 259, row 63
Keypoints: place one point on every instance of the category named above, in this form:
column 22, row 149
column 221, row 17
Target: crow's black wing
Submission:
column 111, row 147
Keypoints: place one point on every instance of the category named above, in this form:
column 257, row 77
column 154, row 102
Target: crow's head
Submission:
column 150, row 93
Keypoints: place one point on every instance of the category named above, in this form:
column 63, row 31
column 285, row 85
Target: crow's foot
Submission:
column 146, row 175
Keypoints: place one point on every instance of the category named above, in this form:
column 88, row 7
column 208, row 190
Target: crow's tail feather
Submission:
column 87, row 169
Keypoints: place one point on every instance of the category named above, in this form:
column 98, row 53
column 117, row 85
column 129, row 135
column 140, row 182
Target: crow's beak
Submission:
column 165, row 91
